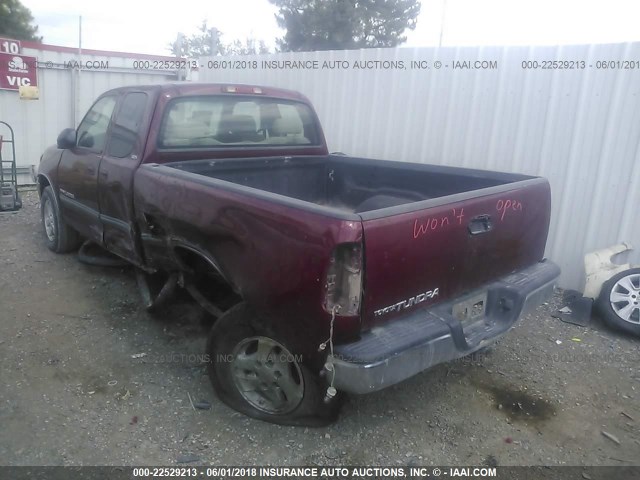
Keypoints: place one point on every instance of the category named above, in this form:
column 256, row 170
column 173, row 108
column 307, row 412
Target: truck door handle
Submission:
column 480, row 224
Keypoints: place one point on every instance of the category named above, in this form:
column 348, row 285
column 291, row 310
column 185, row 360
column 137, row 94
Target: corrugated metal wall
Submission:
column 579, row 128
column 65, row 96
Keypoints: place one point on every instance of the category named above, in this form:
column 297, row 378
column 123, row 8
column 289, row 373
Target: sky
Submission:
column 147, row 27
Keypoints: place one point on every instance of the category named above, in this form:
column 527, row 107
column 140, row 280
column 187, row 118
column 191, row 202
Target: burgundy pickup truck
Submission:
column 345, row 274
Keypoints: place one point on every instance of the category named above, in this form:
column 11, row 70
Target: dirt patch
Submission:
column 518, row 405
column 88, row 377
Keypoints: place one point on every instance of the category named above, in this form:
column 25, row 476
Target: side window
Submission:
column 92, row 132
column 124, row 132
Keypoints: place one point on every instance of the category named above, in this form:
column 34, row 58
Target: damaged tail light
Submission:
column 344, row 280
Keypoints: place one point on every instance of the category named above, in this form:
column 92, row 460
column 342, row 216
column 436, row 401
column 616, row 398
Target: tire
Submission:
column 255, row 372
column 59, row 237
column 619, row 301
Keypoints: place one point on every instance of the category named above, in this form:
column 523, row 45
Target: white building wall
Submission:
column 580, row 128
column 65, row 96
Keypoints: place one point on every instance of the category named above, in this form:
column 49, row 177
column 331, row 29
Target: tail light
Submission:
column 344, row 280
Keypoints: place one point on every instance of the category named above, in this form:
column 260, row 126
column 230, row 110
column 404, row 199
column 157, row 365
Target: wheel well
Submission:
column 42, row 183
column 195, row 261
column 206, row 277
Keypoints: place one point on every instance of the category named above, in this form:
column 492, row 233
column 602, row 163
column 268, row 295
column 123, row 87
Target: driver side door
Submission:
column 78, row 170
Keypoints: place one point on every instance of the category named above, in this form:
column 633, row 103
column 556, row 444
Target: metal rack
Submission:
column 9, row 197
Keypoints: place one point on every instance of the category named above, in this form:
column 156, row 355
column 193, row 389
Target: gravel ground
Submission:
column 89, row 378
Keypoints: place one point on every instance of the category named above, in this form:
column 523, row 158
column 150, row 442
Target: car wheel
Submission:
column 60, row 238
column 255, row 372
column 619, row 301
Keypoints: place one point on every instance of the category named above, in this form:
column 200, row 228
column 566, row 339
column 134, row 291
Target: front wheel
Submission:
column 255, row 372
column 60, row 237
column 619, row 301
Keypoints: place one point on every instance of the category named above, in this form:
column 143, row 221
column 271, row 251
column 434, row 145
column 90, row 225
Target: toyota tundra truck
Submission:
column 326, row 274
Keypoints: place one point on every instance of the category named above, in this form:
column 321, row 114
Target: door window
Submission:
column 124, row 132
column 92, row 132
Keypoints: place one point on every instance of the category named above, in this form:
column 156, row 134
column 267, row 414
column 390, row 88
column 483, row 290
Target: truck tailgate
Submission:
column 420, row 254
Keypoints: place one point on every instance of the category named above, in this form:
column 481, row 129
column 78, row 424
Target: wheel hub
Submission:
column 625, row 298
column 49, row 221
column 267, row 375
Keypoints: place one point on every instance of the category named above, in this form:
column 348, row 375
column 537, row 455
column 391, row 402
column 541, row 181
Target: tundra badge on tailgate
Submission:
column 410, row 302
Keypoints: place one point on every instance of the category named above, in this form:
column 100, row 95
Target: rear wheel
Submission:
column 263, row 376
column 60, row 237
column 255, row 371
column 619, row 301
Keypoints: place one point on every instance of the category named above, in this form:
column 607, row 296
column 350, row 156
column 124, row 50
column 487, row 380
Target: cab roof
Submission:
column 178, row 89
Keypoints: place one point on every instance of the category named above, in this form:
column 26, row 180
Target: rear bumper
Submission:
column 391, row 353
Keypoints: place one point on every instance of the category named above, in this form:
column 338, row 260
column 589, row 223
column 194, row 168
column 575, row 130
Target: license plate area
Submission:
column 470, row 310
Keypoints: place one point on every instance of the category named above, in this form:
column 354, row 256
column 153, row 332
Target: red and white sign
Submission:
column 8, row 45
column 17, row 71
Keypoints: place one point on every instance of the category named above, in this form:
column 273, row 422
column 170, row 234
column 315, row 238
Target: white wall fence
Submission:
column 66, row 93
column 578, row 127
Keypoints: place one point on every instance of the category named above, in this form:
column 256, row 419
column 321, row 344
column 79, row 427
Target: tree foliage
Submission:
column 208, row 42
column 248, row 46
column 16, row 21
column 344, row 24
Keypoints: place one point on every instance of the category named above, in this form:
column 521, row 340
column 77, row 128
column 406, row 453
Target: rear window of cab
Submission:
column 223, row 121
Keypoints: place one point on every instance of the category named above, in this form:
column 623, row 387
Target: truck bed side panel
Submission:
column 273, row 254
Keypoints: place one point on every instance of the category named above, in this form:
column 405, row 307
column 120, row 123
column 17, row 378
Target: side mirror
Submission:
column 67, row 139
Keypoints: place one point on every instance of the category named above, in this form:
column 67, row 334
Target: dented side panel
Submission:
column 273, row 253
